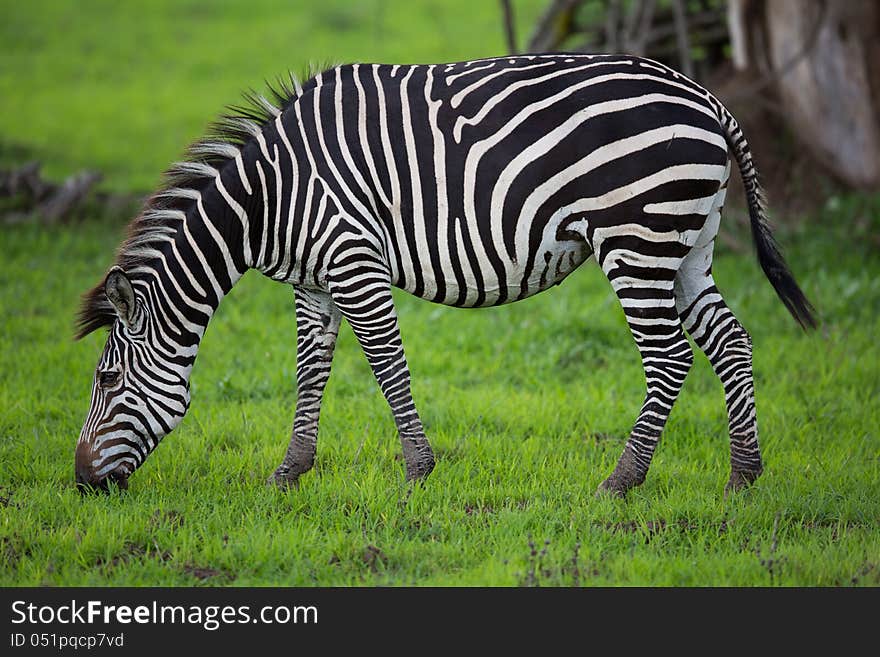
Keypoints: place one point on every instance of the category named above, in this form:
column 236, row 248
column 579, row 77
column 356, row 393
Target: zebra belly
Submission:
column 477, row 287
column 556, row 262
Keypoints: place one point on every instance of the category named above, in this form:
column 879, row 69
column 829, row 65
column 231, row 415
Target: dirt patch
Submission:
column 542, row 570
column 205, row 573
column 6, row 499
column 374, row 558
column 132, row 551
column 12, row 549
column 836, row 526
column 478, row 508
column 651, row 528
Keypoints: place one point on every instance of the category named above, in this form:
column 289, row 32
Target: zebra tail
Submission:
column 769, row 254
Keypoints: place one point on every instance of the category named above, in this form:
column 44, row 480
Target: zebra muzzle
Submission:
column 87, row 481
column 117, row 478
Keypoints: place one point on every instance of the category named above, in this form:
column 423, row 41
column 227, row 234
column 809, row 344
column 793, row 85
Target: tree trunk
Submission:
column 825, row 56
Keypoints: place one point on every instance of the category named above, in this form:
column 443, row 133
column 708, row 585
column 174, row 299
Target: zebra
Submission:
column 469, row 184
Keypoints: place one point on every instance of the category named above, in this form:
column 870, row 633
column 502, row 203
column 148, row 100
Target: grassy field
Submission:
column 527, row 406
column 123, row 86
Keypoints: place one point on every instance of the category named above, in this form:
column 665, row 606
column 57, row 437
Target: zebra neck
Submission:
column 197, row 265
column 247, row 216
column 271, row 177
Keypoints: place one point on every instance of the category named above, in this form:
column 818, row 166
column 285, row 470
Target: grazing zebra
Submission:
column 469, row 184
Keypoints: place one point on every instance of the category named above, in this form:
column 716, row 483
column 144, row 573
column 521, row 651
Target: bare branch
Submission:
column 509, row 26
column 638, row 26
column 768, row 80
column 681, row 38
column 736, row 23
column 37, row 197
column 699, row 25
column 612, row 26
column 554, row 26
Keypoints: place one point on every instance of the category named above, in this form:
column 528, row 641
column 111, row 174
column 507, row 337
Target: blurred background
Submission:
column 98, row 97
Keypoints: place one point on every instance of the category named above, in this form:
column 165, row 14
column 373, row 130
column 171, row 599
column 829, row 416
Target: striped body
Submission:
column 469, row 184
column 420, row 158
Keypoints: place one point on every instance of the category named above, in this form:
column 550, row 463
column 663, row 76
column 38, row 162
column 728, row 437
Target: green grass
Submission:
column 527, row 406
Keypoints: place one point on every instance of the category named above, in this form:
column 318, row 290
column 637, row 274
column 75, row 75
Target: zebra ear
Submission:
column 120, row 293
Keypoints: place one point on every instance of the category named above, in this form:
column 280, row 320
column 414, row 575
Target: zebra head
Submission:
column 139, row 394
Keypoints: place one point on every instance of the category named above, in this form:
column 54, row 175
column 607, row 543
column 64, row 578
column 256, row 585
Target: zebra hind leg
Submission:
column 649, row 306
column 728, row 346
column 317, row 325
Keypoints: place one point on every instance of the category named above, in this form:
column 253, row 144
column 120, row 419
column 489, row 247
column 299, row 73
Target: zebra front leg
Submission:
column 374, row 322
column 667, row 358
column 317, row 325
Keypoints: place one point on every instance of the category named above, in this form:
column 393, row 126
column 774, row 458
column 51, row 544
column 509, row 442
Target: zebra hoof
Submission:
column 284, row 480
column 625, row 476
column 740, row 480
column 612, row 487
column 418, row 472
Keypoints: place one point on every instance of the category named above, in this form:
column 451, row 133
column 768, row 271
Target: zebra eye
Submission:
column 108, row 379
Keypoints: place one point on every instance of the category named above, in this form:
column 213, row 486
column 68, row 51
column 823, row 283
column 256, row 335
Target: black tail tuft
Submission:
column 775, row 268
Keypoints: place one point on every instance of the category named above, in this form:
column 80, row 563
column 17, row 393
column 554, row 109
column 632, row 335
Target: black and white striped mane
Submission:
column 165, row 209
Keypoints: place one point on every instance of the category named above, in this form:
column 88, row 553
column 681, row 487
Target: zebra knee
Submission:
column 680, row 358
column 686, row 358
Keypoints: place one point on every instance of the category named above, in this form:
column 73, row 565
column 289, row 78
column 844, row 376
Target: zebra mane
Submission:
column 164, row 211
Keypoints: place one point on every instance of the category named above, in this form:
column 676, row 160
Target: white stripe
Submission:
column 260, row 262
column 457, row 99
column 452, row 78
column 239, row 164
